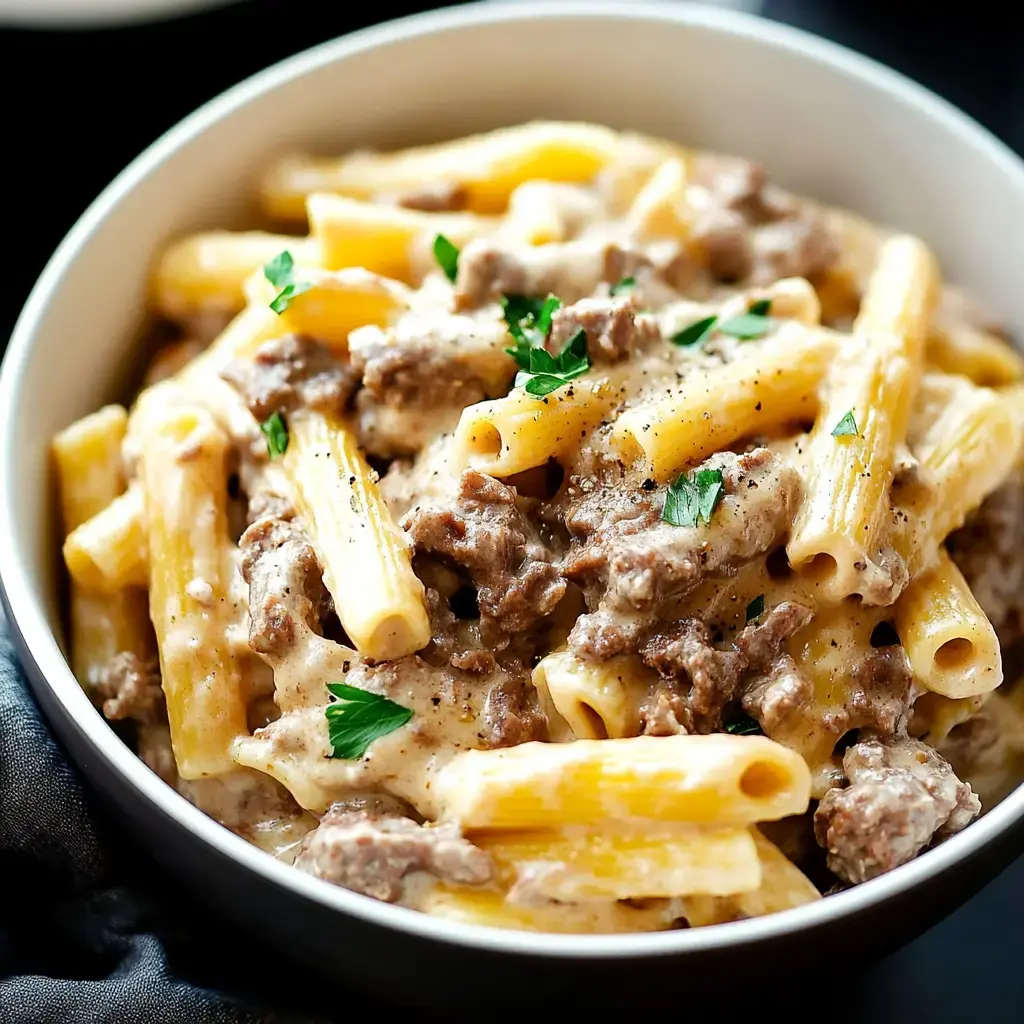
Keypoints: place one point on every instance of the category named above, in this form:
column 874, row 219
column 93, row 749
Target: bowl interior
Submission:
column 824, row 123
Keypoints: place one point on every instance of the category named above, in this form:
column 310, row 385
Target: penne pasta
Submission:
column 184, row 483
column 350, row 527
column 488, row 167
column 776, row 385
column 208, row 271
column 91, row 476
column 951, row 645
column 108, row 551
column 718, row 779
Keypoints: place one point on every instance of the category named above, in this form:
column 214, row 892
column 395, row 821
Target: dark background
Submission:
column 80, row 105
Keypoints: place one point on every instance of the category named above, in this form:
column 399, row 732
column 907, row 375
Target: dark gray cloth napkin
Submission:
column 90, row 929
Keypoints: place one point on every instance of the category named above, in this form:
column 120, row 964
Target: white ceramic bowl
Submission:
column 824, row 121
column 63, row 14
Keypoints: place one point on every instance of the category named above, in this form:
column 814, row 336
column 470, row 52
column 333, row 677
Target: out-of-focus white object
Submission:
column 750, row 6
column 86, row 13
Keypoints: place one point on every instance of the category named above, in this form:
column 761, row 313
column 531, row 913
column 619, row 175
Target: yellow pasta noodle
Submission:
column 109, row 551
column 853, row 446
column 335, row 304
column 380, row 238
column 978, row 355
column 487, row 167
column 598, row 700
column 660, row 210
column 783, row 886
column 88, row 457
column 366, row 563
column 515, row 433
column 711, row 409
column 719, row 779
column 184, row 480
column 490, row 907
column 208, row 271
column 575, row 866
column 951, row 645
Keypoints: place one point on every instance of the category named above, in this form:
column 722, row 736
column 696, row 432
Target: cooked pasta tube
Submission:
column 660, row 209
column 720, row 779
column 90, row 474
column 335, row 304
column 934, row 717
column 380, row 238
column 108, row 551
column 367, row 569
column 184, row 481
column 597, row 699
column 951, row 645
column 577, row 865
column 489, row 907
column 982, row 357
column 517, row 432
column 487, row 167
column 901, row 294
column 783, row 886
column 967, row 439
column 711, row 409
column 207, row 271
column 542, row 212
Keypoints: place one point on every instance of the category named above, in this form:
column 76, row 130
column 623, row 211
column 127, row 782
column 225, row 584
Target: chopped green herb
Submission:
column 695, row 333
column 359, row 717
column 741, row 724
column 747, row 326
column 623, row 286
column 447, row 257
column 529, row 321
column 762, row 307
column 276, row 433
column 693, row 497
column 846, row 427
column 546, row 373
column 280, row 273
column 755, row 608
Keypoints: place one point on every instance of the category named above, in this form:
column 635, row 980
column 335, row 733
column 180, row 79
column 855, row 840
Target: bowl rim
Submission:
column 38, row 645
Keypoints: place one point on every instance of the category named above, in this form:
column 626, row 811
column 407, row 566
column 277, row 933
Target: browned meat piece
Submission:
column 372, row 852
column 878, row 694
column 131, row 688
column 796, row 247
column 772, row 697
column 291, row 372
column 512, row 714
column 267, row 505
column 285, row 581
column 989, row 549
column 684, row 651
column 631, row 563
column 751, row 231
column 901, row 795
column 570, row 270
column 760, row 642
column 486, row 534
column 615, row 327
column 438, row 197
column 665, row 712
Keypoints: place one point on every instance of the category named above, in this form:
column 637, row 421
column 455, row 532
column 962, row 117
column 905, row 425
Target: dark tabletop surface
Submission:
column 80, row 105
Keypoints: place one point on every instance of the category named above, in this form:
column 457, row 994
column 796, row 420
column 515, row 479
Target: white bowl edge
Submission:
column 30, row 623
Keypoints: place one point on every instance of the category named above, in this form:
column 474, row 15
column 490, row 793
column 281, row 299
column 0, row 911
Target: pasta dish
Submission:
column 560, row 529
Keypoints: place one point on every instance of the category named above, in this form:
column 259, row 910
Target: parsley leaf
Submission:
column 280, row 273
column 447, row 257
column 359, row 717
column 623, row 286
column 741, row 724
column 276, row 433
column 846, row 427
column 695, row 333
column 545, row 373
column 762, row 307
column 755, row 608
column 529, row 321
column 693, row 497
column 749, row 325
